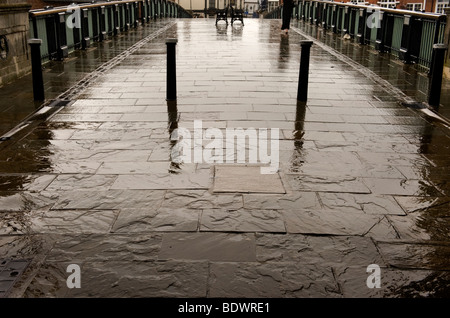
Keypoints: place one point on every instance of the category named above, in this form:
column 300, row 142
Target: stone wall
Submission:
column 14, row 26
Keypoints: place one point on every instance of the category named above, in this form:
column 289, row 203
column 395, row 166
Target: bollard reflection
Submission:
column 172, row 125
column 284, row 52
column 298, row 134
column 299, row 131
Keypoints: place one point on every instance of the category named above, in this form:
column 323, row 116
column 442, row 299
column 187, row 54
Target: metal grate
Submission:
column 10, row 271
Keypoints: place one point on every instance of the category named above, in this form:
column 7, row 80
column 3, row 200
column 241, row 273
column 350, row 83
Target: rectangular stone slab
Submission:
column 208, row 246
column 245, row 178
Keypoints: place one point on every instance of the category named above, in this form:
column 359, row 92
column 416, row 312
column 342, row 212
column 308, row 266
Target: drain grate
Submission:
column 59, row 103
column 414, row 105
column 10, row 271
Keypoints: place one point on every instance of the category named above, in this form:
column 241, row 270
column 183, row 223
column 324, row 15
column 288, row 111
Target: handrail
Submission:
column 429, row 15
column 408, row 35
column 42, row 12
column 95, row 22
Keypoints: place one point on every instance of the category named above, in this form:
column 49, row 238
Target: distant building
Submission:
column 40, row 4
column 436, row 6
column 251, row 6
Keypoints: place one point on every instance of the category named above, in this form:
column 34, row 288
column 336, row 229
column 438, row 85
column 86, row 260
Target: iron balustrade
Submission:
column 96, row 22
column 408, row 35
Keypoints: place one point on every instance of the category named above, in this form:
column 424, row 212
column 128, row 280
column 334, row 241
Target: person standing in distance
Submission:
column 288, row 6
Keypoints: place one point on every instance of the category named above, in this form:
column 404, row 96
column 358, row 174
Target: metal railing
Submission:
column 408, row 35
column 65, row 29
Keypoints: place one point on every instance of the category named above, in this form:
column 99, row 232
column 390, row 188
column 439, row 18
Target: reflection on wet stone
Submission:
column 104, row 247
column 327, row 184
column 49, row 282
column 242, row 220
column 396, row 283
column 155, row 279
column 136, row 220
column 362, row 179
column 271, row 280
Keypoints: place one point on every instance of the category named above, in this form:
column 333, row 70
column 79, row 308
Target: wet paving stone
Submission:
column 401, row 187
column 25, row 182
column 49, row 282
column 161, row 220
column 421, row 227
column 242, row 220
column 415, row 256
column 432, row 206
column 111, row 199
column 79, row 248
column 160, row 181
column 329, row 222
column 208, row 246
column 271, row 280
column 327, row 184
column 246, row 179
column 10, row 272
column 72, row 221
column 87, row 182
column 120, row 279
column 333, row 251
column 23, row 201
column 368, row 203
column 361, row 179
column 394, row 283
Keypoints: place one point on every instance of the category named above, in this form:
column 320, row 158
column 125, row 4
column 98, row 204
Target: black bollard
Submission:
column 36, row 69
column 171, row 88
column 302, row 92
column 437, row 68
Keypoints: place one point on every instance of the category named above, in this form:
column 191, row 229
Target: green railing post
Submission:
column 127, row 17
column 334, row 19
column 116, row 19
column 102, row 14
column 324, row 21
column 346, row 20
column 85, row 39
column 95, row 28
column 109, row 30
column 51, row 37
column 62, row 50
column 405, row 48
column 379, row 43
column 368, row 30
column 142, row 10
column 361, row 35
column 436, row 70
